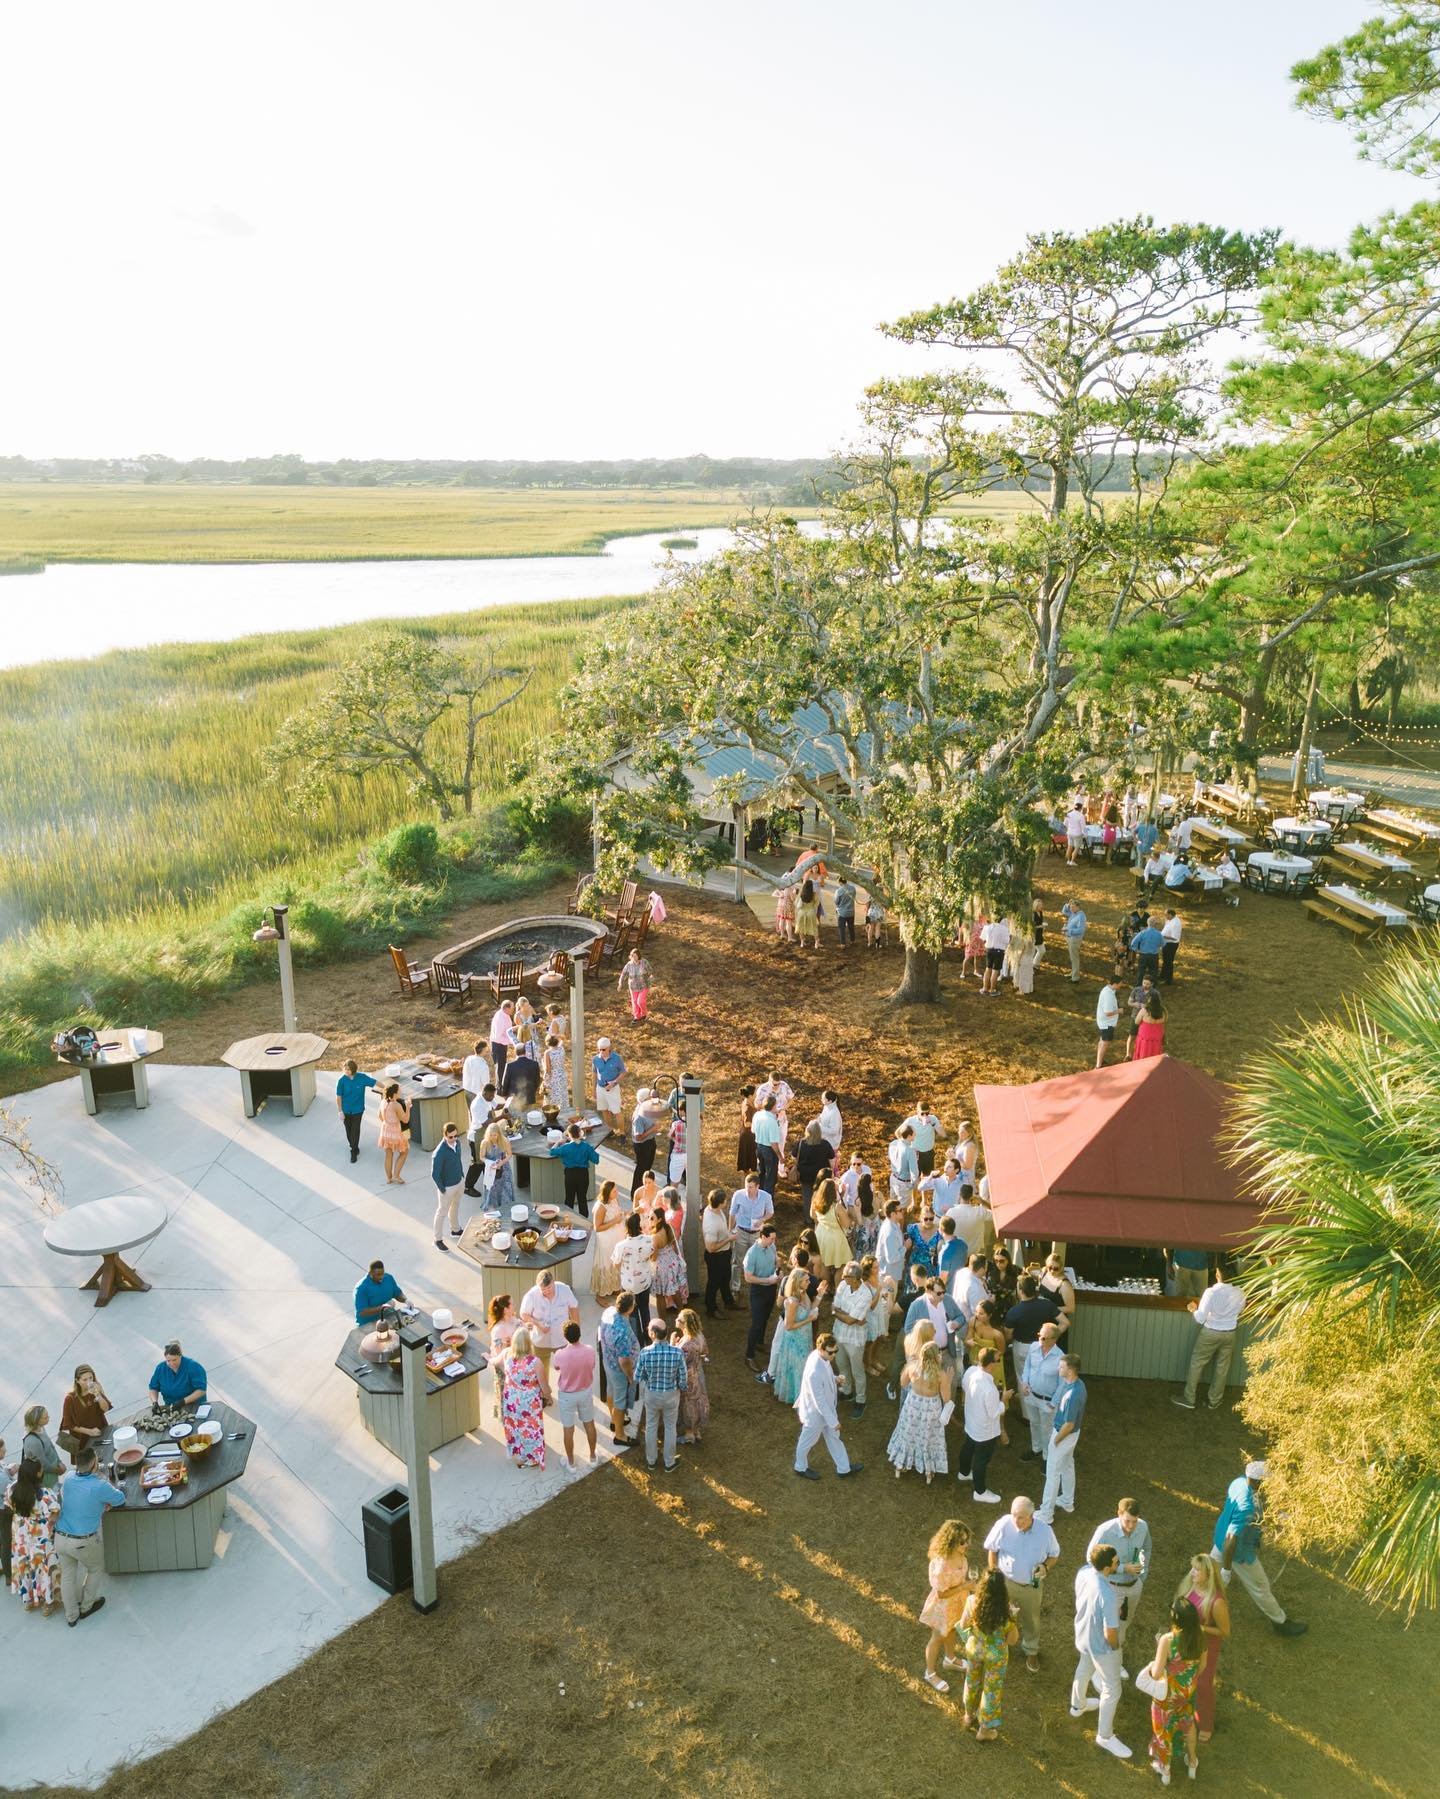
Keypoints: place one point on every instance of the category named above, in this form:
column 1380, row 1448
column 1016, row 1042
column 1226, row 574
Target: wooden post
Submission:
column 414, row 1341
column 740, row 836
column 692, row 1089
column 577, row 1032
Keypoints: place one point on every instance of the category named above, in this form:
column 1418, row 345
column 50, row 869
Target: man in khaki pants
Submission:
column 84, row 1499
column 1217, row 1312
column 1024, row 1550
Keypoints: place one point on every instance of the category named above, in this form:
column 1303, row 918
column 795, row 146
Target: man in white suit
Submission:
column 818, row 1414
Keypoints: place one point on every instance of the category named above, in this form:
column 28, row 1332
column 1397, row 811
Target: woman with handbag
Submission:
column 1170, row 1681
column 83, row 1415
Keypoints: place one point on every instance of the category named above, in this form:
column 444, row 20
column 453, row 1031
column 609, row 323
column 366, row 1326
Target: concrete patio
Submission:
column 269, row 1229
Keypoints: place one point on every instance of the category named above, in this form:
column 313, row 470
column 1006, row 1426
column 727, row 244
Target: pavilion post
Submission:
column 740, row 836
column 692, row 1098
column 414, row 1341
column 577, row 1032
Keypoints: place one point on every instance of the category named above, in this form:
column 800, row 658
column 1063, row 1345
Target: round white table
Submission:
column 103, row 1228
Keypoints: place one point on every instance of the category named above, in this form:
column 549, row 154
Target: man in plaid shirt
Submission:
column 661, row 1376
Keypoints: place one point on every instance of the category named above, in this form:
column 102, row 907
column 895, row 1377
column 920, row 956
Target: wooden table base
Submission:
column 111, row 1277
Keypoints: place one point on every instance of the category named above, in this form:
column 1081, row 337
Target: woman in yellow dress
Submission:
column 829, row 1234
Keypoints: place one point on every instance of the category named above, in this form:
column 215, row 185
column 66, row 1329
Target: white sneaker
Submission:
column 965, row 1477
column 1085, row 1705
column 1113, row 1746
column 987, row 1499
column 569, row 1465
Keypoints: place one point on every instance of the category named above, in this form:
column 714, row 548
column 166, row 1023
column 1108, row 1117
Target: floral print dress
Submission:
column 987, row 1656
column 792, row 1348
column 34, row 1566
column 1173, row 1715
column 557, row 1084
column 918, row 1440
column 670, row 1282
column 695, row 1400
column 522, row 1412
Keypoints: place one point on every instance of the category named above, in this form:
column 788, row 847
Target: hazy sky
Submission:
column 459, row 228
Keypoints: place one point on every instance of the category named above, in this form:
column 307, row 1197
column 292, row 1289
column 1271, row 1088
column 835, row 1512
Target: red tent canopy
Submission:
column 1125, row 1154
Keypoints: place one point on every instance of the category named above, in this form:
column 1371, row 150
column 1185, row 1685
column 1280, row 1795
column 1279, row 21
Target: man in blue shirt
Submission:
column 1147, row 835
column 577, row 1157
column 350, row 1092
column 376, row 1291
column 1076, row 925
column 178, row 1380
column 447, row 1170
column 769, row 1134
column 1039, row 1385
column 1147, row 944
column 84, row 1500
column 762, row 1279
column 1237, row 1547
column 1097, row 1637
column 608, row 1065
column 1064, row 1438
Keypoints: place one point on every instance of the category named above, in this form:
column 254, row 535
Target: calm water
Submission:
column 82, row 609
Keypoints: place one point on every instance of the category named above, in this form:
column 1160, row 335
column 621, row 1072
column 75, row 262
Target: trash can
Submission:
column 385, row 1523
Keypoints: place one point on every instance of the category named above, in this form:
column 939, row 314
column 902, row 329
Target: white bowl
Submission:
column 501, row 1240
column 125, row 1435
column 429, row 1080
column 212, row 1428
column 442, row 1319
column 181, row 1430
column 535, row 1118
column 519, row 1214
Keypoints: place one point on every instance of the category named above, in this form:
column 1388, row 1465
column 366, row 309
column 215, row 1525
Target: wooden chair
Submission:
column 1059, row 843
column 412, row 977
column 617, row 944
column 508, row 980
column 595, row 955
column 626, row 906
column 640, row 931
column 450, row 983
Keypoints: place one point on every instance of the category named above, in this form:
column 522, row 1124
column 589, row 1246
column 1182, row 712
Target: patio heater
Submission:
column 577, row 1032
column 692, row 1103
column 278, row 933
column 414, row 1341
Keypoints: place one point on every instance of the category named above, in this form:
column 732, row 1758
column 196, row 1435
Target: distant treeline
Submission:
column 798, row 478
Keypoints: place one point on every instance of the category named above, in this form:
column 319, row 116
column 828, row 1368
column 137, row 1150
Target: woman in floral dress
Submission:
column 1179, row 1653
column 557, row 1079
column 975, row 947
column 609, row 1223
column 499, row 1187
column 34, row 1566
column 695, row 1400
column 785, row 913
column 918, row 1440
column 988, row 1634
column 522, row 1410
column 669, row 1285
column 952, row 1581
column 794, row 1335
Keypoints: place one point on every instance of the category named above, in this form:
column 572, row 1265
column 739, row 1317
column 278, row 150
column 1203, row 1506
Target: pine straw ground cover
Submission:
column 730, row 1629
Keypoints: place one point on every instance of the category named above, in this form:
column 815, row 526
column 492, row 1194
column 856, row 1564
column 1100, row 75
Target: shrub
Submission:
column 410, row 853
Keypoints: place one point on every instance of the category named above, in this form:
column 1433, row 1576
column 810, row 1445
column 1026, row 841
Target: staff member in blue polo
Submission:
column 350, row 1092
column 85, row 1497
column 577, row 1155
column 376, row 1291
column 178, row 1379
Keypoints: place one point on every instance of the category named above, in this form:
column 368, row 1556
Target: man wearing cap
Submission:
column 1237, row 1547
column 577, row 1156
column 608, row 1066
column 819, row 1414
column 1217, row 1312
column 644, row 1129
column 178, row 1379
column 850, row 1319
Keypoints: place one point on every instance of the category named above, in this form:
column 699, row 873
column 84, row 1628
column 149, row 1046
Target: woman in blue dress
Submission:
column 619, row 1345
column 796, row 1331
column 499, row 1187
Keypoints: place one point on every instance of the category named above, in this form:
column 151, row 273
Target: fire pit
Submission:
column 531, row 941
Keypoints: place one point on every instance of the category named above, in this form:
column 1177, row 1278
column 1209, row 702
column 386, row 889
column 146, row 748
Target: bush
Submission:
column 410, row 853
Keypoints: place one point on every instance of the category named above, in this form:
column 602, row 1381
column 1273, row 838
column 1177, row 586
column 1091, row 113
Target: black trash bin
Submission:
column 385, row 1520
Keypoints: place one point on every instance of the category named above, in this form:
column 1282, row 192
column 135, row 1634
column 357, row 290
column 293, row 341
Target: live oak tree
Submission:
column 914, row 676
column 404, row 703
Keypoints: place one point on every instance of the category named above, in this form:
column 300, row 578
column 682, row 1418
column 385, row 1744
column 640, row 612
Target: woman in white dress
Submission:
column 918, row 1440
column 609, row 1227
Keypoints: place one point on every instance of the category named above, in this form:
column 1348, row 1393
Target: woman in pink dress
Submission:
column 1150, row 1031
column 1203, row 1588
column 975, row 947
column 695, row 1400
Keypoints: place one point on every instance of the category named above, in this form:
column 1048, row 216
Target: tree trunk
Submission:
column 1357, row 705
column 920, row 984
column 1397, row 687
column 1252, row 716
column 1301, row 777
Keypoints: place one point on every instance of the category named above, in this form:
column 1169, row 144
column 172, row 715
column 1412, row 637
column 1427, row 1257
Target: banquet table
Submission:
column 1217, row 832
column 1278, row 873
column 278, row 1066
column 1339, row 807
column 1418, row 830
column 1370, row 862
column 431, row 1107
column 1366, row 905
column 452, row 1403
column 180, row 1532
column 1123, row 842
column 1301, row 833
column 117, row 1069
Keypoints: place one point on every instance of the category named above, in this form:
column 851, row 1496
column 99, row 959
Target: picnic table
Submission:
column 1430, row 902
column 1368, row 862
column 1400, row 829
column 1275, row 872
column 1339, row 807
column 1361, row 913
column 1098, row 850
column 1216, row 832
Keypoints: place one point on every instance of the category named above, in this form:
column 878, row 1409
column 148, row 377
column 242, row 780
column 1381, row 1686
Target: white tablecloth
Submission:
column 1330, row 802
column 1096, row 834
column 1269, row 862
column 1401, row 821
column 1216, row 832
column 1301, row 830
column 1377, row 857
column 1373, row 908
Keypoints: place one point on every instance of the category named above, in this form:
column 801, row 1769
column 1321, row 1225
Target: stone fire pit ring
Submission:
column 531, row 941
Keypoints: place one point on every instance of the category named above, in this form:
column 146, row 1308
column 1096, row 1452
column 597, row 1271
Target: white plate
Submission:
column 181, row 1430
column 394, row 1069
column 501, row 1240
column 158, row 1495
column 455, row 1370
column 163, row 1451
